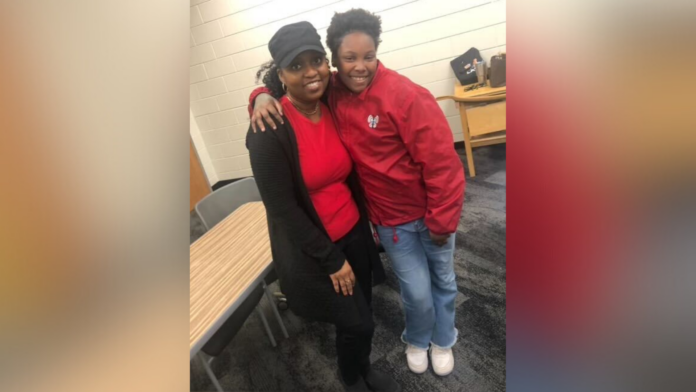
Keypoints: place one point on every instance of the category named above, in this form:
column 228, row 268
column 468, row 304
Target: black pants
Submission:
column 354, row 343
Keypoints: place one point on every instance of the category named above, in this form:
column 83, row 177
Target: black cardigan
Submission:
column 303, row 254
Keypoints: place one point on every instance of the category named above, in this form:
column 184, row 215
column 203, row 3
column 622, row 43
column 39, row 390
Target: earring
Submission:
column 285, row 88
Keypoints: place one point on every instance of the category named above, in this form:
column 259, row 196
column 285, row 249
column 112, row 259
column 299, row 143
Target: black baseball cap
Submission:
column 293, row 39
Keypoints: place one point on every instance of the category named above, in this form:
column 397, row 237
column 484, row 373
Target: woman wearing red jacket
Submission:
column 412, row 178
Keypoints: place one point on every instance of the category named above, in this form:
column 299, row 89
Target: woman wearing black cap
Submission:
column 322, row 247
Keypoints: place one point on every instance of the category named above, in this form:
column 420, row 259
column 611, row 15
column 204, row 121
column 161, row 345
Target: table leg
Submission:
column 467, row 139
column 211, row 375
column 259, row 311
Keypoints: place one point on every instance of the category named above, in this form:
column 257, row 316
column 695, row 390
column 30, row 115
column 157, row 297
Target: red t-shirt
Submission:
column 325, row 165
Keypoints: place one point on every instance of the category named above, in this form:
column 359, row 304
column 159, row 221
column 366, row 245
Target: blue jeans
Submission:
column 427, row 280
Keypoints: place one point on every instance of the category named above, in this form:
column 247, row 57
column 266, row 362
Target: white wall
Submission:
column 229, row 41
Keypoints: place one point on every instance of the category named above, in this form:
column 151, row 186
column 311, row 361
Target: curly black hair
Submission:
column 357, row 19
column 269, row 72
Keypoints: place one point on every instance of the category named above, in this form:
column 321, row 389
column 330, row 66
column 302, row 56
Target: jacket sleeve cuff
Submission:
column 334, row 261
column 252, row 97
column 438, row 229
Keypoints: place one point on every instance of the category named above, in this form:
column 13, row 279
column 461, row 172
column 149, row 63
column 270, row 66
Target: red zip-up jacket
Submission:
column 403, row 151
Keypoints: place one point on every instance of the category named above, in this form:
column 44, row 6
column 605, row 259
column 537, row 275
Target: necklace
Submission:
column 316, row 107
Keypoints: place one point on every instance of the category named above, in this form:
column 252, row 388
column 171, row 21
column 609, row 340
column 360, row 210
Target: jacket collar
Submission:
column 378, row 75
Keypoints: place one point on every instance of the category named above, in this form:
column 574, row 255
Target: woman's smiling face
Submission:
column 307, row 76
column 357, row 61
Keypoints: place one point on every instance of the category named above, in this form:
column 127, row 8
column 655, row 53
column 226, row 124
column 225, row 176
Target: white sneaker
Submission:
column 442, row 359
column 417, row 359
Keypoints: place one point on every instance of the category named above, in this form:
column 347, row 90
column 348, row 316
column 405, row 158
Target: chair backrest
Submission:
column 217, row 205
column 224, row 335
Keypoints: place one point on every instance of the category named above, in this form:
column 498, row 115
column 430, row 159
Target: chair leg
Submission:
column 265, row 325
column 275, row 310
column 211, row 375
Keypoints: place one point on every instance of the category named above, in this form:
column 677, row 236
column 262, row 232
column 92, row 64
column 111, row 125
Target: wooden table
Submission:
column 226, row 264
column 482, row 113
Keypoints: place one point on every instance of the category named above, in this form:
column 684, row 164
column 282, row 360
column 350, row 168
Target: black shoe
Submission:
column 381, row 382
column 359, row 386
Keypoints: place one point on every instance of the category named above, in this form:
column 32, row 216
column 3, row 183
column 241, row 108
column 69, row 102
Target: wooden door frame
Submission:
column 197, row 189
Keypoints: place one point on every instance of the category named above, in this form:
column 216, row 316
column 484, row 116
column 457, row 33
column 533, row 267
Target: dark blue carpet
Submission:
column 306, row 361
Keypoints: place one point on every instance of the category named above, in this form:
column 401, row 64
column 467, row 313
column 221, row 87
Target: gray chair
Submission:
column 218, row 205
column 211, row 210
column 217, row 343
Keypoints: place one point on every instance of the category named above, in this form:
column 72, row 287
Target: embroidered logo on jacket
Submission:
column 372, row 121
